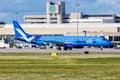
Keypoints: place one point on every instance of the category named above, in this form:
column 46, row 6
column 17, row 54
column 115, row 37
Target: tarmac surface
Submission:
column 55, row 50
column 91, row 53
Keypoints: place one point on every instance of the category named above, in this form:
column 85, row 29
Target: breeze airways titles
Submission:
column 59, row 38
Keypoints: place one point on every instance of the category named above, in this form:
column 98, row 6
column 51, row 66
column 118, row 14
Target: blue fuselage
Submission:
column 68, row 42
column 76, row 40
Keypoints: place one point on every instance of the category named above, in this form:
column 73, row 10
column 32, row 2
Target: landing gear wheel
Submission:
column 58, row 48
column 70, row 48
column 65, row 48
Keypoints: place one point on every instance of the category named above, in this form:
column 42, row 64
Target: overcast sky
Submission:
column 15, row 9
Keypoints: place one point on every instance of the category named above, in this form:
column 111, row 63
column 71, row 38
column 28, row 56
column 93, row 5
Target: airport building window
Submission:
column 53, row 18
column 116, row 38
column 0, row 37
column 111, row 38
column 53, row 22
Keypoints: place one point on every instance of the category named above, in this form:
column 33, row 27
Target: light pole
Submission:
column 16, row 14
column 77, row 5
column 85, row 32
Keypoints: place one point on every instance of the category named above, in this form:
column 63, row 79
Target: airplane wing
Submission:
column 60, row 42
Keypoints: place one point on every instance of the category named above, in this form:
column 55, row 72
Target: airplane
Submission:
column 67, row 42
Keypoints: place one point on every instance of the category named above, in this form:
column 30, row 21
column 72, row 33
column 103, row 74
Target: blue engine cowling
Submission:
column 40, row 43
column 68, row 46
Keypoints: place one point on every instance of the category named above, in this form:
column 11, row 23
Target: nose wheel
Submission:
column 101, row 47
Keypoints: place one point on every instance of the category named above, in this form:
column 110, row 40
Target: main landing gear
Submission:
column 65, row 47
column 58, row 48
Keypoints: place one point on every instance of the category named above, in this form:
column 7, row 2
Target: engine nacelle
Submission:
column 78, row 46
column 40, row 43
column 68, row 46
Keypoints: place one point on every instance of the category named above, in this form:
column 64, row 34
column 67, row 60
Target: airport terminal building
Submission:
column 57, row 22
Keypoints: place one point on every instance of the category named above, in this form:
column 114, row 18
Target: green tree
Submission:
column 2, row 22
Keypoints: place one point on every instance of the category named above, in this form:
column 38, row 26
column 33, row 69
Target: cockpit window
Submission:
column 104, row 39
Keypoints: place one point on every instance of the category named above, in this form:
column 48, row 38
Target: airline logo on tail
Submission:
column 24, row 35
